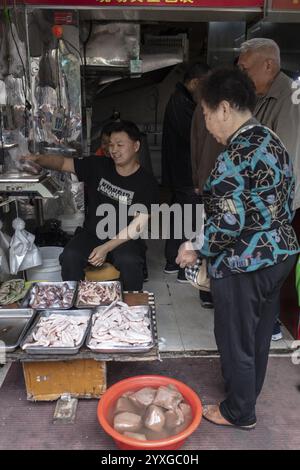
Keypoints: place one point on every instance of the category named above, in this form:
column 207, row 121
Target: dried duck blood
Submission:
column 188, row 416
column 155, row 418
column 168, row 398
column 174, row 418
column 127, row 422
column 143, row 398
column 186, row 410
column 123, row 404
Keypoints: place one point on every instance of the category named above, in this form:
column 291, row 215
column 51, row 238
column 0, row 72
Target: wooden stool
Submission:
column 106, row 272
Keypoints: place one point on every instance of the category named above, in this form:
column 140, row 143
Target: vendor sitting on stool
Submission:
column 118, row 183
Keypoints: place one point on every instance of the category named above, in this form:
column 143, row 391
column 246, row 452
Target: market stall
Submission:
column 46, row 99
column 51, row 370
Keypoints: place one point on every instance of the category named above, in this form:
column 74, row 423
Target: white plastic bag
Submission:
column 23, row 253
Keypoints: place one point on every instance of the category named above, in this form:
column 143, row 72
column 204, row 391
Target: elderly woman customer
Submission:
column 248, row 240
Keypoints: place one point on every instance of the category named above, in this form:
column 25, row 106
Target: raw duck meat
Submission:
column 65, row 331
column 51, row 296
column 93, row 293
column 120, row 325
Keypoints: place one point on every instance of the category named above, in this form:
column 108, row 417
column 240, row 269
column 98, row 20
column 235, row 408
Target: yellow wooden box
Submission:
column 81, row 378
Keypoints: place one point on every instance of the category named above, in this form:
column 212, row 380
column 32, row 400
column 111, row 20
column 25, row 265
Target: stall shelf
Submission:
column 82, row 375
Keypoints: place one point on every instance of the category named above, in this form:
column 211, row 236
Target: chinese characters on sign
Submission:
column 145, row 2
column 285, row 5
column 211, row 4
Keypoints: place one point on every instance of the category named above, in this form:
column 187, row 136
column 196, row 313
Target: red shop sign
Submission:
column 211, row 4
column 285, row 5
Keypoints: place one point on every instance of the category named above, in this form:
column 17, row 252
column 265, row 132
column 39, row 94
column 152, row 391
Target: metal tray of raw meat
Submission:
column 138, row 348
column 31, row 349
column 29, row 298
column 14, row 324
column 116, row 284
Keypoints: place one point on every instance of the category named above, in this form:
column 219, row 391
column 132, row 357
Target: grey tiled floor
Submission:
column 3, row 372
column 184, row 327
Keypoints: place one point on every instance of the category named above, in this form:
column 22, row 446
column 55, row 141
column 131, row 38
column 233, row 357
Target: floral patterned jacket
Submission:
column 248, row 202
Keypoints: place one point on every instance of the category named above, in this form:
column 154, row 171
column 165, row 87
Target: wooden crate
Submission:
column 81, row 378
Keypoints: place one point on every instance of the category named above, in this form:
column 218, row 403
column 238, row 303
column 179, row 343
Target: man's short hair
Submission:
column 106, row 129
column 196, row 70
column 129, row 127
column 266, row 46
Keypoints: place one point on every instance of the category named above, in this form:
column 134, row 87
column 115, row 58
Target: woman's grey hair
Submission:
column 265, row 46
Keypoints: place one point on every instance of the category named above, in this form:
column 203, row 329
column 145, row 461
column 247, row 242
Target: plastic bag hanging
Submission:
column 17, row 53
column 23, row 253
column 48, row 71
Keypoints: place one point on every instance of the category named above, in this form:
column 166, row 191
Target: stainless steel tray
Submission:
column 14, row 324
column 82, row 305
column 149, row 312
column 27, row 303
column 56, row 350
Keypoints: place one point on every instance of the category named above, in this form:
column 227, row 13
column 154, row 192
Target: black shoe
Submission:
column 206, row 299
column 171, row 268
column 181, row 277
column 206, row 304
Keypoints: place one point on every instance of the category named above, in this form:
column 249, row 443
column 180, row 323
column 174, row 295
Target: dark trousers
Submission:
column 184, row 196
column 127, row 258
column 245, row 311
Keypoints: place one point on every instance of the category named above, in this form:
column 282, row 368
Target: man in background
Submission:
column 176, row 155
column 260, row 59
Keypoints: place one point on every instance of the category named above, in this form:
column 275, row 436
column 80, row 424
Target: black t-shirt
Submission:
column 105, row 186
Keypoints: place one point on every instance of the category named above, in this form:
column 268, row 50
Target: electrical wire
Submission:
column 73, row 47
column 85, row 43
column 58, row 76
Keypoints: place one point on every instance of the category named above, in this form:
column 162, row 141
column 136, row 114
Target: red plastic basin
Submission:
column 108, row 400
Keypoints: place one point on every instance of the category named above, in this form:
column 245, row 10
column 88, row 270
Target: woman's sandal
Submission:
column 213, row 414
